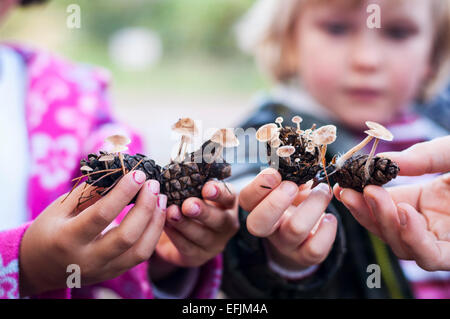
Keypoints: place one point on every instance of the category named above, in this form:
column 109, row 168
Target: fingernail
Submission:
column 340, row 194
column 162, row 201
column 402, row 216
column 372, row 203
column 139, row 177
column 322, row 188
column 289, row 188
column 328, row 218
column 212, row 192
column 271, row 181
column 176, row 215
column 194, row 209
column 154, row 186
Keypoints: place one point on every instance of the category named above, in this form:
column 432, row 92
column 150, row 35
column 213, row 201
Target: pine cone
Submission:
column 183, row 180
column 351, row 175
column 302, row 165
column 148, row 166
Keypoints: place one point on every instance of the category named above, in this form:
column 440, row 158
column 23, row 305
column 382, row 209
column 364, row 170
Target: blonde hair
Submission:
column 268, row 28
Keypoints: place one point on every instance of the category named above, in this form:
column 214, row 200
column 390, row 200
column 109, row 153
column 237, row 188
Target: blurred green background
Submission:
column 200, row 73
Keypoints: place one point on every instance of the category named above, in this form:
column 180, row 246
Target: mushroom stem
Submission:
column 182, row 142
column 218, row 152
column 369, row 159
column 352, row 151
column 323, row 151
column 121, row 162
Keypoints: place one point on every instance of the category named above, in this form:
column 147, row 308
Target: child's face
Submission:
column 359, row 73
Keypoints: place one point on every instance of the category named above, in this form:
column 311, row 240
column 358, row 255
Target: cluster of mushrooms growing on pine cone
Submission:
column 299, row 155
column 182, row 178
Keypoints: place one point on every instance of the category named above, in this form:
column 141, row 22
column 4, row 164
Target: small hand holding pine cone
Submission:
column 299, row 156
column 182, row 178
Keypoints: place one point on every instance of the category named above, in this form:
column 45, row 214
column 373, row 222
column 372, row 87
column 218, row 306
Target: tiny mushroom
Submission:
column 297, row 120
column 286, row 152
column 187, row 128
column 322, row 137
column 86, row 168
column 225, row 138
column 266, row 132
column 377, row 131
column 119, row 143
column 279, row 120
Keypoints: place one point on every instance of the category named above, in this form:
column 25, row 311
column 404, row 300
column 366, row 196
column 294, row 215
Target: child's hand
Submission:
column 290, row 227
column 414, row 220
column 201, row 229
column 59, row 237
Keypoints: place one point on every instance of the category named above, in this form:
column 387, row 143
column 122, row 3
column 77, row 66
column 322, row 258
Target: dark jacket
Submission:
column 344, row 272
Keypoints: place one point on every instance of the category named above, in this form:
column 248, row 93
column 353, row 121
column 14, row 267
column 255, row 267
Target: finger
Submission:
column 123, row 237
column 357, row 206
column 219, row 193
column 337, row 191
column 212, row 217
column 145, row 246
column 383, row 208
column 423, row 158
column 192, row 230
column 70, row 201
column 94, row 219
column 303, row 192
column 317, row 247
column 429, row 253
column 263, row 219
column 186, row 251
column 295, row 229
column 263, row 184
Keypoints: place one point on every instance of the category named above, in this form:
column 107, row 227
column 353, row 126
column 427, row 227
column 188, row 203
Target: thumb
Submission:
column 423, row 158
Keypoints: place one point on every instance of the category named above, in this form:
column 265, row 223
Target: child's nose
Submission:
column 366, row 54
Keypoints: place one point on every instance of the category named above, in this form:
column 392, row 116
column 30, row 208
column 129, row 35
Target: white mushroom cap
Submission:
column 118, row 139
column 185, row 126
column 118, row 142
column 225, row 137
column 310, row 148
column 279, row 120
column 324, row 135
column 266, row 132
column 286, row 151
column 106, row 158
column 379, row 131
column 297, row 119
column 86, row 168
column 119, row 148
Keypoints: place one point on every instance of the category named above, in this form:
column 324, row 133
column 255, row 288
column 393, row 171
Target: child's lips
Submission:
column 364, row 93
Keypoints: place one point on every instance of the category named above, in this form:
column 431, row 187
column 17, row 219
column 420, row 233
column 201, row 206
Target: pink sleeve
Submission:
column 9, row 262
column 10, row 266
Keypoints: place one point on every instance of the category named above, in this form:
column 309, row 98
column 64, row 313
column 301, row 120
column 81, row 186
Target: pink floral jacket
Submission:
column 68, row 115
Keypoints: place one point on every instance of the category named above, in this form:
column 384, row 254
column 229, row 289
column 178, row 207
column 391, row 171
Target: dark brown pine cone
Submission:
column 148, row 166
column 351, row 175
column 180, row 181
column 303, row 165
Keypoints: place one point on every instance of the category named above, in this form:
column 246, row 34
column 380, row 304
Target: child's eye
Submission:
column 336, row 28
column 399, row 32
